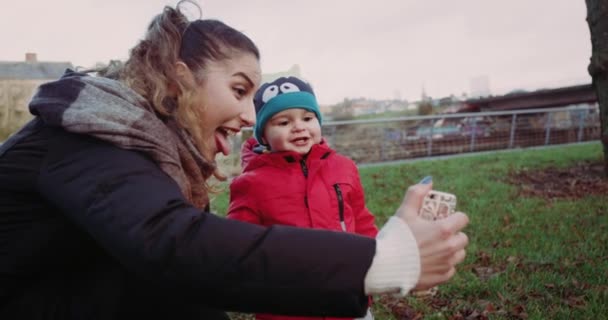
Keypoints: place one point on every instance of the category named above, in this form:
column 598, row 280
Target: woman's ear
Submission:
column 183, row 73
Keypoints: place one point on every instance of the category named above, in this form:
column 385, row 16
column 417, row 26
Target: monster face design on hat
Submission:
column 281, row 94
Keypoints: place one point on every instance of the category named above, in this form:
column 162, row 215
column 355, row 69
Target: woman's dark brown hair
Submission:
column 171, row 37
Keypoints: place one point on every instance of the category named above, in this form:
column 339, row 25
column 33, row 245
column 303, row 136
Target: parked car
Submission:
column 480, row 126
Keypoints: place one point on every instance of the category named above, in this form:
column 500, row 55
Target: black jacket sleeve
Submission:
column 137, row 214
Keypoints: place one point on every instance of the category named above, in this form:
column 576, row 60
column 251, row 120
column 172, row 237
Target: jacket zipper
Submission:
column 305, row 172
column 304, row 168
column 340, row 206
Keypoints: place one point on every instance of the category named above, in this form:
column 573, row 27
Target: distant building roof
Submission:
column 32, row 70
column 544, row 98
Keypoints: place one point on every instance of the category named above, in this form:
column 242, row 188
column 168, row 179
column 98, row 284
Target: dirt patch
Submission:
column 580, row 180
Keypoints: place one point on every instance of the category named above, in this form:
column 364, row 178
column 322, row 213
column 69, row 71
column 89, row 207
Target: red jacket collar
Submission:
column 285, row 158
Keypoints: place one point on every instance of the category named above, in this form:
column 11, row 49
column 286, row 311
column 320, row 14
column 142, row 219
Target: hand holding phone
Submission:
column 436, row 205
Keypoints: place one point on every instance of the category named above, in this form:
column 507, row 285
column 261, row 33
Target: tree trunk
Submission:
column 597, row 18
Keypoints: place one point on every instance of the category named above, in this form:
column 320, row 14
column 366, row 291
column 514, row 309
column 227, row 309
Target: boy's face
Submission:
column 292, row 130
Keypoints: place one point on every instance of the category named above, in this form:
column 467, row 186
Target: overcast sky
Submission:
column 345, row 48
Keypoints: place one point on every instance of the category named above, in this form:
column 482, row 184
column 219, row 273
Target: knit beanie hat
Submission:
column 282, row 94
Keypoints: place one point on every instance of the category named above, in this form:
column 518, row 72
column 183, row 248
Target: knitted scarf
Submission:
column 108, row 110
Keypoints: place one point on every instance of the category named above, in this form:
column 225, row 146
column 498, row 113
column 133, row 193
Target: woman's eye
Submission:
column 240, row 91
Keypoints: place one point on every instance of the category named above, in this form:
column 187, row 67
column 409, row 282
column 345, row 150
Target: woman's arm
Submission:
column 138, row 215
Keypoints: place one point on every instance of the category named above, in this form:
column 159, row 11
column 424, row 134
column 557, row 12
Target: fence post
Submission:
column 383, row 145
column 548, row 128
column 512, row 134
column 581, row 121
column 474, row 133
column 332, row 137
column 429, row 150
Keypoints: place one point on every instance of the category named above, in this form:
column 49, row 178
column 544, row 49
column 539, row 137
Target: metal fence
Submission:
column 373, row 141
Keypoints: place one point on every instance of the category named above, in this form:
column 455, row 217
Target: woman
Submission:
column 103, row 197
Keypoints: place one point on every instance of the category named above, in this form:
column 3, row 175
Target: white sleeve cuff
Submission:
column 396, row 265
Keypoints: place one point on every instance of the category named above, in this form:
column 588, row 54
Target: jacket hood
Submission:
column 75, row 94
column 109, row 110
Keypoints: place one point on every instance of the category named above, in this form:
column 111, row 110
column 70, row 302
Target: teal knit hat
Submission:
column 282, row 94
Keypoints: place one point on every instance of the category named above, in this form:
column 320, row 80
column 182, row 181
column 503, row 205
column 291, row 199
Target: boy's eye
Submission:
column 283, row 123
column 308, row 118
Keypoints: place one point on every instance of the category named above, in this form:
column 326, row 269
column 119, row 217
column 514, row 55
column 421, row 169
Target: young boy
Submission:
column 298, row 180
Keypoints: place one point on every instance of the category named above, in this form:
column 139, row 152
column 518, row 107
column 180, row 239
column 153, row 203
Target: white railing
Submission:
column 380, row 140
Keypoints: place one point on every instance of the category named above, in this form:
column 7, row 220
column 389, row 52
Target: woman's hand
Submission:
column 440, row 243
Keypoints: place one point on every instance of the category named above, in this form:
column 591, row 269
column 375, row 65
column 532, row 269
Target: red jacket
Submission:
column 247, row 152
column 321, row 191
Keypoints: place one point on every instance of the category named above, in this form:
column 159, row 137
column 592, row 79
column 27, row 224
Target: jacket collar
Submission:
column 319, row 151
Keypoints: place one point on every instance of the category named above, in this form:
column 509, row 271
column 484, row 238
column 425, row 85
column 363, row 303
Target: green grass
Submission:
column 541, row 259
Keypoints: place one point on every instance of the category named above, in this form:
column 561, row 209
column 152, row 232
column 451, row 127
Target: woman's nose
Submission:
column 248, row 117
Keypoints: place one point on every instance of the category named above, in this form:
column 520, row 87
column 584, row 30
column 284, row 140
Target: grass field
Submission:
column 528, row 258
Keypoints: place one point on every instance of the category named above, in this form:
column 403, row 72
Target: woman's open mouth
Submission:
column 222, row 139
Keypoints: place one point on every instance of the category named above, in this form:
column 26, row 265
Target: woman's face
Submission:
column 226, row 99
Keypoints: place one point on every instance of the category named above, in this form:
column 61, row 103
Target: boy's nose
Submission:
column 298, row 125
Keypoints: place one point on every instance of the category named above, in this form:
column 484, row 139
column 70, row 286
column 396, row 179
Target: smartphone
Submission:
column 438, row 205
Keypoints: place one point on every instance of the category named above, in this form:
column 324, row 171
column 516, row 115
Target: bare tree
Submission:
column 425, row 108
column 343, row 110
column 597, row 18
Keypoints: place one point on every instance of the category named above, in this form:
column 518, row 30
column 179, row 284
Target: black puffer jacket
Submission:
column 91, row 231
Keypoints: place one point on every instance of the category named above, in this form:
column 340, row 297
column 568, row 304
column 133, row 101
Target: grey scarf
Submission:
column 110, row 111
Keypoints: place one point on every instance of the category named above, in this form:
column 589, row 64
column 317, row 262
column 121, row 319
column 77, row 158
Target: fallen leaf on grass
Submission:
column 578, row 181
column 485, row 273
column 476, row 315
column 576, row 301
column 501, row 297
column 399, row 308
column 483, row 258
column 519, row 312
column 512, row 259
column 489, row 308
